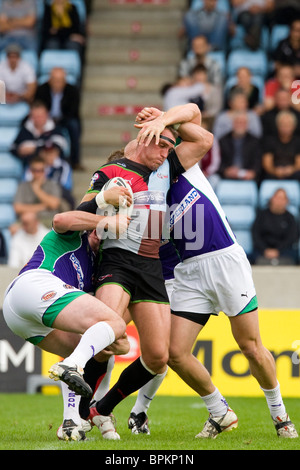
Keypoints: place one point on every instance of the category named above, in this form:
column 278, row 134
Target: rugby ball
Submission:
column 118, row 181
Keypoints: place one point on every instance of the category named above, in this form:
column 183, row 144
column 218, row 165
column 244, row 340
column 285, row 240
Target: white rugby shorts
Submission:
column 215, row 282
column 33, row 301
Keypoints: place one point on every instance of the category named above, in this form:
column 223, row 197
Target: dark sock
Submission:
column 94, row 372
column 131, row 379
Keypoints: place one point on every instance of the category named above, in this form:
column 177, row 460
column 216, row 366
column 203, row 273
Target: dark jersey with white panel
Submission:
column 133, row 261
column 150, row 190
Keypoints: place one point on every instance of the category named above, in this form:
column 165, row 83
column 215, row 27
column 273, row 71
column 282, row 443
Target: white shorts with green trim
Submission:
column 32, row 302
column 215, row 282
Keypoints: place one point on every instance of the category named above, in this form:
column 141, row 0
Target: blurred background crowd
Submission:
column 240, row 64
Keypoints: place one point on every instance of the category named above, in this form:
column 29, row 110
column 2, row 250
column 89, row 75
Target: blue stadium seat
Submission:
column 238, row 40
column 237, row 192
column 13, row 114
column 268, row 187
column 7, row 237
column 81, row 9
column 292, row 189
column 244, row 238
column 278, row 32
column 7, row 215
column 240, row 217
column 32, row 58
column 69, row 60
column 10, row 166
column 7, row 136
column 256, row 61
column 222, row 5
column 8, row 189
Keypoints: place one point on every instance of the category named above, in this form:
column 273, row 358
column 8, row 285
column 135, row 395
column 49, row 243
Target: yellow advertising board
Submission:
column 216, row 348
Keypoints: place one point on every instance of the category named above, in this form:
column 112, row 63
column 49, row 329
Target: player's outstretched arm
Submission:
column 76, row 221
column 80, row 220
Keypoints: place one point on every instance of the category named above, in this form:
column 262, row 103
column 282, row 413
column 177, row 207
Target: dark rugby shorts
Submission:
column 140, row 276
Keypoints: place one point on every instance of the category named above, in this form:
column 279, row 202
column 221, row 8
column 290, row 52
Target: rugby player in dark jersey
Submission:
column 130, row 273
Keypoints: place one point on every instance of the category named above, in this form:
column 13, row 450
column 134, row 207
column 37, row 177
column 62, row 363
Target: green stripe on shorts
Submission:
column 115, row 284
column 252, row 305
column 57, row 306
column 35, row 340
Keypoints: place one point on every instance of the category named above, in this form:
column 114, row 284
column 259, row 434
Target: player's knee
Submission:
column 178, row 355
column 156, row 362
column 251, row 351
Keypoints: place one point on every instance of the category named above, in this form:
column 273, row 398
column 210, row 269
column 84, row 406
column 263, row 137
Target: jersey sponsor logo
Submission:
column 93, row 180
column 144, row 198
column 186, row 203
column 77, row 267
column 162, row 176
column 68, row 286
column 49, row 295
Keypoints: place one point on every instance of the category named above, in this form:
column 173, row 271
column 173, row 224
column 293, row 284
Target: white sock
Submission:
column 71, row 404
column 147, row 393
column 103, row 387
column 96, row 338
column 274, row 401
column 215, row 403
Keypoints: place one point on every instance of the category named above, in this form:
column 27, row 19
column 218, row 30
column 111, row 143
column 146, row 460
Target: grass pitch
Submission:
column 29, row 422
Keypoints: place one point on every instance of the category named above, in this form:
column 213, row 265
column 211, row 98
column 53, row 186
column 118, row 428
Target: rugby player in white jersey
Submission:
column 212, row 274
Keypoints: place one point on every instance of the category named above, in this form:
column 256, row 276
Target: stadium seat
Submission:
column 13, row 114
column 238, row 40
column 7, row 237
column 10, row 166
column 81, row 9
column 7, row 215
column 244, row 238
column 8, row 189
column 256, row 61
column 7, row 136
column 240, row 217
column 237, row 192
column 69, row 60
column 292, row 188
column 279, row 32
column 222, row 5
column 40, row 7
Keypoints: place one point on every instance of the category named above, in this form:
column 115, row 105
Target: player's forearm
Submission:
column 181, row 114
column 77, row 221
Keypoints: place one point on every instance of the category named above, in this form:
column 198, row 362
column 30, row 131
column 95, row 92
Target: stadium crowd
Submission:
column 237, row 104
column 240, row 65
column 42, row 104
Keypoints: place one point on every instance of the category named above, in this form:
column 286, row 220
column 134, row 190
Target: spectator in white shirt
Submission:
column 25, row 240
column 18, row 75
